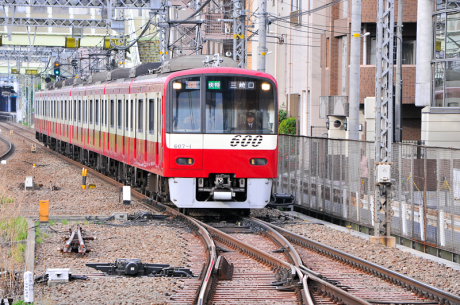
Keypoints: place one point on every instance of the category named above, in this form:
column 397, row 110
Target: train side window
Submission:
column 112, row 114
column 151, row 116
column 75, row 110
column 62, row 109
column 140, row 121
column 85, row 111
column 91, row 111
column 126, row 114
column 96, row 117
column 54, row 113
column 65, row 110
column 131, row 116
column 105, row 115
column 119, row 115
column 79, row 110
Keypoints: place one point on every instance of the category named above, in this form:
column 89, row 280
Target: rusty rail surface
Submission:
column 419, row 288
column 206, row 278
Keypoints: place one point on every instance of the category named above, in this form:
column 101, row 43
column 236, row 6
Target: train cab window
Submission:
column 240, row 105
column 96, row 117
column 126, row 114
column 119, row 115
column 151, row 116
column 140, row 121
column 131, row 116
column 186, row 105
column 91, row 111
column 112, row 113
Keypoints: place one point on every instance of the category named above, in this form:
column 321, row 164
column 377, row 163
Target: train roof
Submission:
column 122, row 80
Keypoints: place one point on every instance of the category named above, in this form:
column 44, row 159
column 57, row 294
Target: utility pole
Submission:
column 398, row 85
column 262, row 49
column 355, row 54
column 239, row 32
column 383, row 118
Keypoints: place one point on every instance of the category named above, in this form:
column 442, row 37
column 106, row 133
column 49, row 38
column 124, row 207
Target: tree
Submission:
column 282, row 114
column 287, row 126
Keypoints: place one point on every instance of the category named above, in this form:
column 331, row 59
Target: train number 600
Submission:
column 246, row 140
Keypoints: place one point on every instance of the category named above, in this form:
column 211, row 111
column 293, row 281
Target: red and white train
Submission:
column 180, row 135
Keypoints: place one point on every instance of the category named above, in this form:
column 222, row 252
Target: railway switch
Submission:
column 135, row 267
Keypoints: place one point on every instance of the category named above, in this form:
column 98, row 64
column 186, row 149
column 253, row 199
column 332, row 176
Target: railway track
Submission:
column 282, row 267
column 7, row 149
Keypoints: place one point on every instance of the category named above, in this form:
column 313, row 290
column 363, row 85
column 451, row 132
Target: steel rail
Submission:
column 421, row 289
column 10, row 150
column 200, row 231
column 310, row 278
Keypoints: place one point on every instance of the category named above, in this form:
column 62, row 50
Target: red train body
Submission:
column 180, row 136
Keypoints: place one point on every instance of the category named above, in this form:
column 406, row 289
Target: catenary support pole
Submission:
column 262, row 49
column 398, row 82
column 355, row 54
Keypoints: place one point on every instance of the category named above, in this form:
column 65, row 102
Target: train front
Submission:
column 221, row 138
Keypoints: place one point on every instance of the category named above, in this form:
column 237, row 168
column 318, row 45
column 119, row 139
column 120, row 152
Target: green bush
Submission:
column 287, row 126
column 281, row 116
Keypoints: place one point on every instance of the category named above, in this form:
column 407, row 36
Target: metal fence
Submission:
column 336, row 177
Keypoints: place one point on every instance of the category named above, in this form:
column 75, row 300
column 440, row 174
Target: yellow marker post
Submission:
column 44, row 210
column 83, row 174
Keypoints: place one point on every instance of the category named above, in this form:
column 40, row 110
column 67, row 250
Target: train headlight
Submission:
column 185, row 161
column 177, row 86
column 258, row 161
column 265, row 86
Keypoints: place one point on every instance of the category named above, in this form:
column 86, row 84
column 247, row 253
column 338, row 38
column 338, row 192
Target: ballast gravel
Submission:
column 159, row 242
column 147, row 242
column 420, row 269
column 68, row 197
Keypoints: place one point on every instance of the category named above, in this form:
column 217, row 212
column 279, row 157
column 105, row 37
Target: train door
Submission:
column 132, row 129
column 105, row 126
column 151, row 134
column 97, row 124
column 141, row 128
column 111, row 125
column 126, row 128
column 119, row 128
column 60, row 116
column 159, row 130
column 91, row 120
column 73, row 120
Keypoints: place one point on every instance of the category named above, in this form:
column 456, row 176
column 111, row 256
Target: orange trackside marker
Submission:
column 44, row 210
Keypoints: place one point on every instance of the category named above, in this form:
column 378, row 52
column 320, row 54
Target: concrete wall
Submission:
column 441, row 129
